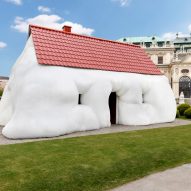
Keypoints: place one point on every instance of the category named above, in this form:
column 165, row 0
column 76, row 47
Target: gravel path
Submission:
column 176, row 179
column 112, row 129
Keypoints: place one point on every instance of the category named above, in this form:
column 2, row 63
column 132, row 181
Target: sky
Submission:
column 108, row 19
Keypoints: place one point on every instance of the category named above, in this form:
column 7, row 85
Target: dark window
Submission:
column 160, row 44
column 185, row 71
column 147, row 45
column 160, row 59
column 185, row 86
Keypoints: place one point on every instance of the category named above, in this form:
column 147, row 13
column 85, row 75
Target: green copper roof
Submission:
column 141, row 39
column 182, row 40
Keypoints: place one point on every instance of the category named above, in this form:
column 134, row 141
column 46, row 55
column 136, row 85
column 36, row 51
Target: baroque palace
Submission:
column 173, row 58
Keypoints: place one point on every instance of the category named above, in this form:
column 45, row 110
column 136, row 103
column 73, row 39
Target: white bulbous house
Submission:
column 65, row 82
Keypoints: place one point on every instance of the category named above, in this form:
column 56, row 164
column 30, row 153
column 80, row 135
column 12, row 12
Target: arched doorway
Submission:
column 185, row 86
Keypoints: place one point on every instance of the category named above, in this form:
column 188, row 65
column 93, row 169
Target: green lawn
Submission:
column 92, row 163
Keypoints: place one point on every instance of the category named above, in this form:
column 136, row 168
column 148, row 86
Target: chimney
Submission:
column 67, row 28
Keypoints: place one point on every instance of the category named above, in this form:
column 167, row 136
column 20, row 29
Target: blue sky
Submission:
column 110, row 19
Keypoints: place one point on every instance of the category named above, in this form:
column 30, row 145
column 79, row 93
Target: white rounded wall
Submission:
column 42, row 101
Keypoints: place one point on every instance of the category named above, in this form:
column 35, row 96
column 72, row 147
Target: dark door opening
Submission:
column 79, row 99
column 112, row 107
column 185, row 86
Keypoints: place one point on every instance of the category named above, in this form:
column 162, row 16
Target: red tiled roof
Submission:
column 59, row 48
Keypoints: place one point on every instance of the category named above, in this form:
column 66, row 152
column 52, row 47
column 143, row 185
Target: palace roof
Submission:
column 141, row 39
column 182, row 40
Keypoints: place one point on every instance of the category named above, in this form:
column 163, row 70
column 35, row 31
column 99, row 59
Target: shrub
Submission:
column 183, row 107
column 187, row 113
column 1, row 92
column 177, row 113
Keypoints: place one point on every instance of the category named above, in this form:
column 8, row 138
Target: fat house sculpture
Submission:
column 65, row 82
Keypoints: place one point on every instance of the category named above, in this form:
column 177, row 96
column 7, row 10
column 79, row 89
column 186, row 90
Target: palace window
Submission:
column 160, row 59
column 184, row 71
column 185, row 86
column 160, row 44
column 147, row 45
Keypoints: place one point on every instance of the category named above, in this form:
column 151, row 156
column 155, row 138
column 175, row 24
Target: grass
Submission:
column 92, row 163
column 1, row 92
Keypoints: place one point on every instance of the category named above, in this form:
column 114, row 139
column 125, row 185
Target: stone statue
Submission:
column 181, row 98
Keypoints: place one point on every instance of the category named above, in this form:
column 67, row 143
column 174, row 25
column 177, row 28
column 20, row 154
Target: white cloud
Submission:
column 44, row 9
column 2, row 45
column 20, row 25
column 123, row 3
column 52, row 21
column 172, row 35
column 16, row 2
column 169, row 36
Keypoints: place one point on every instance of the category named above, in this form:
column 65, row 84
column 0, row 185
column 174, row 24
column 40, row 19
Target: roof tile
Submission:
column 55, row 47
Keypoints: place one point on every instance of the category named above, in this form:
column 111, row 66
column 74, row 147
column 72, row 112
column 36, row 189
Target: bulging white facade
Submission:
column 42, row 101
